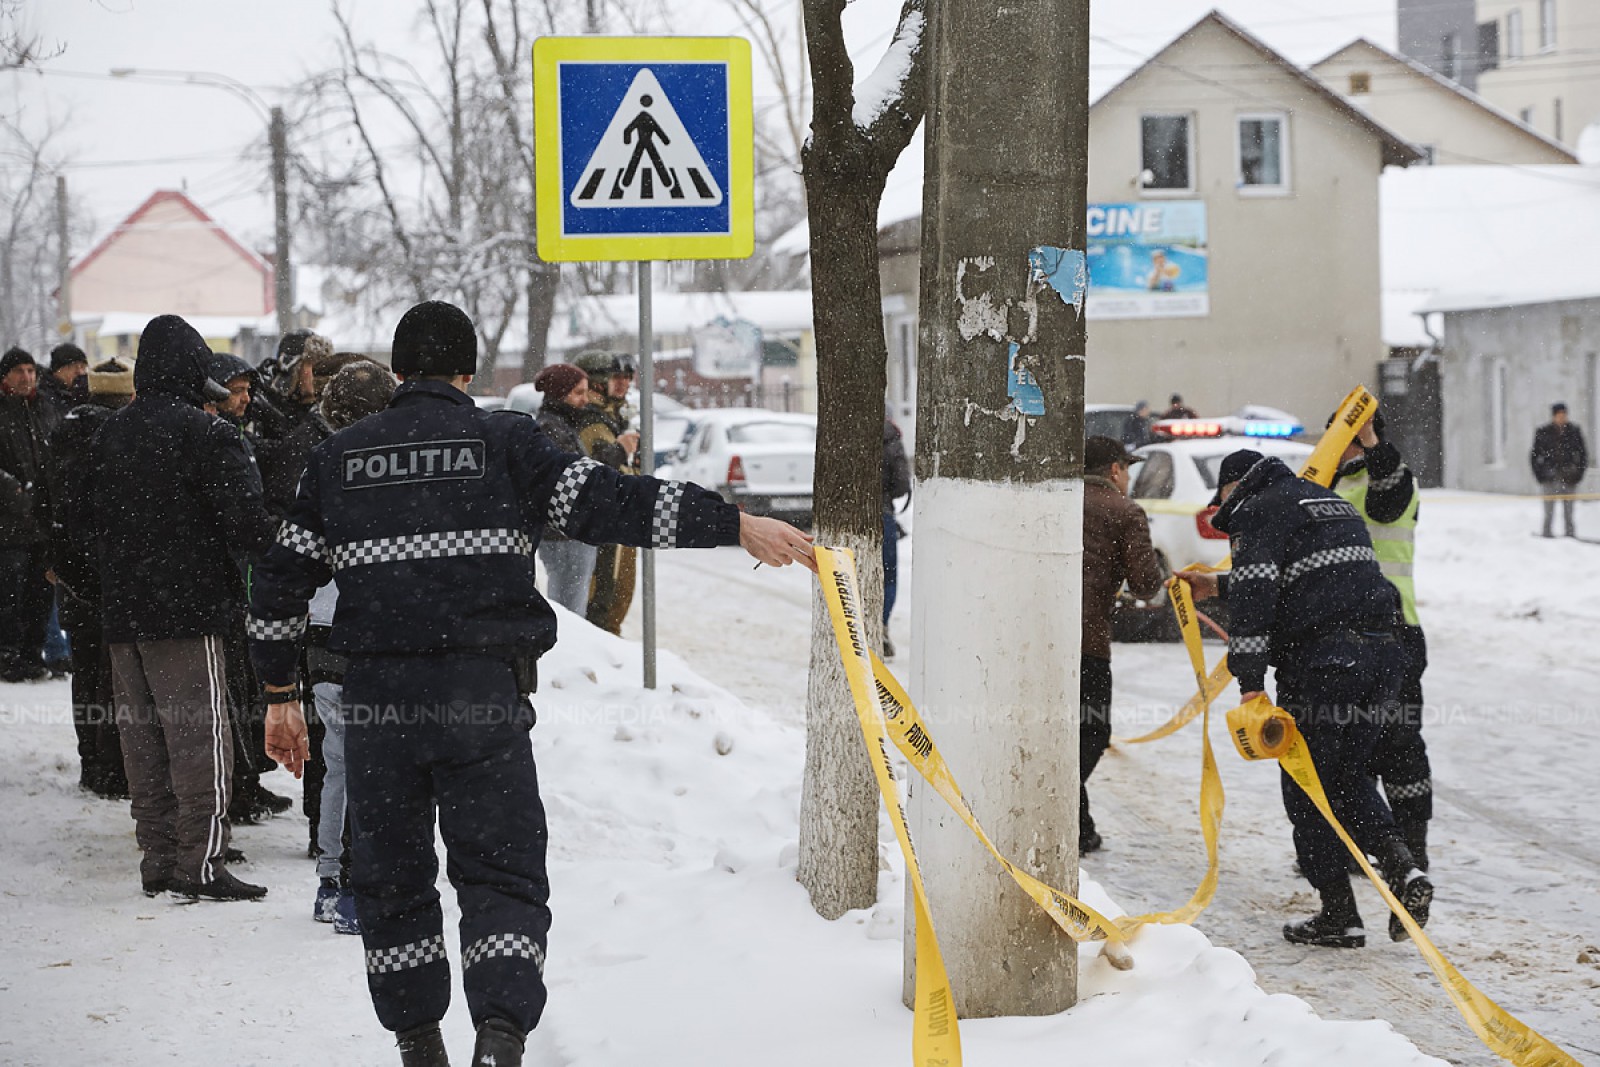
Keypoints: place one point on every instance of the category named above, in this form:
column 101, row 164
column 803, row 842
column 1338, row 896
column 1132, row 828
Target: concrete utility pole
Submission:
column 997, row 572
column 281, row 269
column 63, row 261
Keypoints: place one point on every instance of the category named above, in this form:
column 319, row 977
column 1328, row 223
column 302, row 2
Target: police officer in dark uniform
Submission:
column 1306, row 596
column 429, row 513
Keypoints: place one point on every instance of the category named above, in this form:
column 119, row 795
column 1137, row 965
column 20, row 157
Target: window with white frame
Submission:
column 1514, row 34
column 1263, row 152
column 1547, row 25
column 1166, row 144
column 1591, row 391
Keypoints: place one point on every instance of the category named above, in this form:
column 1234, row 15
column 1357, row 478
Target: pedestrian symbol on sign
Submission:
column 646, row 157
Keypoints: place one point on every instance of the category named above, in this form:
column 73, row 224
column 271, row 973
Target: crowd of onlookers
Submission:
column 136, row 493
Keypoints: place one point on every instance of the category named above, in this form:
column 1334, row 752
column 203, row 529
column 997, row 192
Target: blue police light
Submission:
column 1260, row 428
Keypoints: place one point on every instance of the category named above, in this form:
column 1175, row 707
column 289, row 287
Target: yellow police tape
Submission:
column 935, row 1038
column 1261, row 731
column 886, row 714
column 1354, row 412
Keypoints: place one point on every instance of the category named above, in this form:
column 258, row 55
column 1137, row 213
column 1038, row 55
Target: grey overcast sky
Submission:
column 128, row 138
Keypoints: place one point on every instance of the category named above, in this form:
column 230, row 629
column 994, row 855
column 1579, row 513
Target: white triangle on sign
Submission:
column 646, row 157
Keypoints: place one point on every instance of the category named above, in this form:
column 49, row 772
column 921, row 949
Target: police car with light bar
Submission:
column 1175, row 483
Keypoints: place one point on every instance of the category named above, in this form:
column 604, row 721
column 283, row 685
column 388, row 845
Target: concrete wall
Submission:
column 1423, row 25
column 1548, row 352
column 1540, row 78
column 170, row 261
column 1294, row 288
column 1431, row 115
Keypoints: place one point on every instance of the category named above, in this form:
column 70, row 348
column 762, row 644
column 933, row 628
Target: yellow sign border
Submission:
column 556, row 246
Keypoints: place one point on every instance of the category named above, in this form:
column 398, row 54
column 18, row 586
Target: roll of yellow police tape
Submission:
column 1260, row 730
column 1501, row 1032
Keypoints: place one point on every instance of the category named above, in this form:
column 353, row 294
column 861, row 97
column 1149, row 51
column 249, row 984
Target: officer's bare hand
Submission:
column 629, row 441
column 288, row 741
column 1248, row 697
column 1202, row 586
column 1368, row 435
column 774, row 542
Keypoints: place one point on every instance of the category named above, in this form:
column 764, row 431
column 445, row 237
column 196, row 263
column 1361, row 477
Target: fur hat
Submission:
column 111, row 378
column 356, row 390
column 65, row 355
column 324, row 365
column 557, row 380
column 435, row 338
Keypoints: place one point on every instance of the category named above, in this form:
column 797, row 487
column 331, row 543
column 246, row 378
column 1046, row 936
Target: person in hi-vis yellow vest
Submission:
column 1373, row 477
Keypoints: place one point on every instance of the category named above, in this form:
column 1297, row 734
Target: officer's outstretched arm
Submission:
column 1390, row 483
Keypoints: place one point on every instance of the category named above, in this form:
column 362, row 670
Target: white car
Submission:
column 1174, row 486
column 761, row 460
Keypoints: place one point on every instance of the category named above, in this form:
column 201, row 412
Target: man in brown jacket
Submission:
column 1116, row 549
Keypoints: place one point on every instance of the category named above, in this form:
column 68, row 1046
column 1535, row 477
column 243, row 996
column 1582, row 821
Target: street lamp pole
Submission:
column 278, row 143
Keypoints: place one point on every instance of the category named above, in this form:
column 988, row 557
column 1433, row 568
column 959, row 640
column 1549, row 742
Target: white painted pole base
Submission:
column 995, row 634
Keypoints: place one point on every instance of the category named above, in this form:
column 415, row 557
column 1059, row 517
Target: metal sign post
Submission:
column 647, row 465
column 644, row 150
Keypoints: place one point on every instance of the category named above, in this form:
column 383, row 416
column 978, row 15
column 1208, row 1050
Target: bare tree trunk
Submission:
column 845, row 166
column 839, row 805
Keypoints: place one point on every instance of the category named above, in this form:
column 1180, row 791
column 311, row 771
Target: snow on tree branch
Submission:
column 886, row 86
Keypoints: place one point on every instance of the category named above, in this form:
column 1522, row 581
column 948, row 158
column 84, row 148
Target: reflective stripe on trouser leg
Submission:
column 497, row 865
column 393, row 866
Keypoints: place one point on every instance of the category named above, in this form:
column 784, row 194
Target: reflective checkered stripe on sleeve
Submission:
column 1329, row 557
column 1254, row 572
column 664, row 522
column 274, row 629
column 1413, row 791
column 443, row 544
column 568, row 487
column 405, row 957
column 1247, row 646
column 497, row 946
column 299, row 539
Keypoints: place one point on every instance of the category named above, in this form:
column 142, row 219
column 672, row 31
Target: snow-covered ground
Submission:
column 681, row 936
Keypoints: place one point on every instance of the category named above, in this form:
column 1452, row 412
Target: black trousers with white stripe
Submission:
column 446, row 737
column 177, row 748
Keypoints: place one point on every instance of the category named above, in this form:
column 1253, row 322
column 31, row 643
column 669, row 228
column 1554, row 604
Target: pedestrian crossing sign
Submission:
column 644, row 148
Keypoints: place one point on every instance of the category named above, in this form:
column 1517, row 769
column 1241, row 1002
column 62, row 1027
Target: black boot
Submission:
column 1416, row 839
column 422, row 1046
column 499, row 1045
column 1337, row 925
column 1408, row 883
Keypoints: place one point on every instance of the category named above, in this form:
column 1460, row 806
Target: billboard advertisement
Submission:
column 1148, row 260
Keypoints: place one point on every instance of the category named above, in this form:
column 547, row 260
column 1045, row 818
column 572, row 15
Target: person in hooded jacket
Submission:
column 568, row 563
column 174, row 501
column 78, row 583
column 1307, row 596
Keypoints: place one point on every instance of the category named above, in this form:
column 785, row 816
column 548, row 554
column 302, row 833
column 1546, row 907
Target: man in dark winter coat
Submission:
column 429, row 514
column 72, row 559
column 27, row 422
column 67, row 384
column 175, row 502
column 1307, row 596
column 1116, row 551
column 568, row 563
column 249, row 801
column 1559, row 460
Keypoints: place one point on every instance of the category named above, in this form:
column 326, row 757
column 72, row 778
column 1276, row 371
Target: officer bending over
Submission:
column 428, row 514
column 1307, row 596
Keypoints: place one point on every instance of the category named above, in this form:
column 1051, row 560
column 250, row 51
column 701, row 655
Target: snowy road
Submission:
column 1514, row 734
